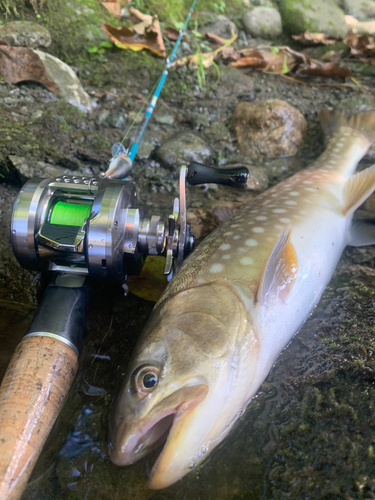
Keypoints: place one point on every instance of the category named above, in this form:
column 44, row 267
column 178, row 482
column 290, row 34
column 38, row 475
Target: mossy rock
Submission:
column 321, row 16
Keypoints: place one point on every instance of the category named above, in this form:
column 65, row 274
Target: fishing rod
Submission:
column 122, row 162
column 83, row 230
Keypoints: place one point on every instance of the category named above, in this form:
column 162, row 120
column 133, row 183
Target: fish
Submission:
column 234, row 305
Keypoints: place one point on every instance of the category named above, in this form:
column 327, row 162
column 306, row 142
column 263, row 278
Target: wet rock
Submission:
column 164, row 119
column 232, row 82
column 263, row 22
column 102, row 116
column 322, row 16
column 135, row 117
column 220, row 26
column 148, row 144
column 117, row 119
column 269, row 128
column 217, row 132
column 70, row 87
column 40, row 169
column 182, row 148
column 360, row 9
column 25, row 34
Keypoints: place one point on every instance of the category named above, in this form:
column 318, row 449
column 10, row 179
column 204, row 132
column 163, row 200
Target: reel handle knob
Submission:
column 233, row 177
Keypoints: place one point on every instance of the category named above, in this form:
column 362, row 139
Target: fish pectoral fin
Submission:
column 362, row 233
column 280, row 271
column 357, row 189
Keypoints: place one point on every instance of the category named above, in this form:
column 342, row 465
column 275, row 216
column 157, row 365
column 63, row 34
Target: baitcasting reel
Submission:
column 94, row 227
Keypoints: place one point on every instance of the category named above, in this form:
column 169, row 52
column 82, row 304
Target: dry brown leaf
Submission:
column 267, row 61
column 329, row 70
column 230, row 53
column 173, row 34
column 19, row 64
column 215, row 38
column 360, row 45
column 206, row 57
column 360, row 27
column 308, row 38
column 151, row 24
column 113, row 7
column 131, row 38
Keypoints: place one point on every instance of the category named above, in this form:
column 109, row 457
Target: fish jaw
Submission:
column 141, row 437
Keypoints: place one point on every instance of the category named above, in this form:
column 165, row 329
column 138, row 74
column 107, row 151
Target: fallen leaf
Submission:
column 144, row 35
column 3, row 43
column 19, row 64
column 230, row 53
column 113, row 7
column 206, row 58
column 360, row 27
column 215, row 38
column 150, row 284
column 329, row 70
column 173, row 34
column 308, row 38
column 268, row 61
column 360, row 45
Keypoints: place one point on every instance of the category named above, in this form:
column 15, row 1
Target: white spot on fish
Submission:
column 226, row 256
column 216, row 268
column 291, row 202
column 251, row 243
column 225, row 246
column 310, row 189
column 307, row 182
column 234, row 225
column 246, row 261
column 277, row 226
column 228, row 233
column 237, row 237
column 258, row 230
column 285, row 220
column 294, row 193
column 241, row 250
column 279, row 211
column 261, row 217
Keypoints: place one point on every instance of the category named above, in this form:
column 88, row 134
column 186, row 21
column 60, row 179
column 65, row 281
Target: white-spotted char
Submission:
column 236, row 302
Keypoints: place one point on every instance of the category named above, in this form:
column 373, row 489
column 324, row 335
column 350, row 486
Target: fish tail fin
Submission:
column 337, row 123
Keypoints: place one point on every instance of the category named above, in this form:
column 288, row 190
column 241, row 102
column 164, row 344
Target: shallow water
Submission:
column 308, row 433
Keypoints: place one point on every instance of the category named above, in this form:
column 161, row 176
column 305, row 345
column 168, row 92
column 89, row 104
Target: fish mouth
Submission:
column 143, row 436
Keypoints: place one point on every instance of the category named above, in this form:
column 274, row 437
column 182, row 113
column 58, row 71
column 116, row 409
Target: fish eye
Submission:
column 145, row 379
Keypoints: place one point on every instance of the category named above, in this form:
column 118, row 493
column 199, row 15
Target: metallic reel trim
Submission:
column 56, row 337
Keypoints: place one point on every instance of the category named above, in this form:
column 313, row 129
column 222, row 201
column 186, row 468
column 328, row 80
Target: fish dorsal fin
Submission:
column 357, row 189
column 362, row 233
column 280, row 271
column 224, row 213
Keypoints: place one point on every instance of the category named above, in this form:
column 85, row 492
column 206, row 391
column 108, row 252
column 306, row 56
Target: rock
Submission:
column 220, row 26
column 263, row 22
column 217, row 132
column 40, row 169
column 70, row 87
column 148, row 144
column 269, row 128
column 360, row 9
column 232, row 81
column 322, row 16
column 135, row 117
column 25, row 34
column 164, row 119
column 102, row 116
column 117, row 119
column 183, row 147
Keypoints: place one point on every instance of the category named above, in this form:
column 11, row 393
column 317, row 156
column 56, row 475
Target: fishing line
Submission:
column 69, row 214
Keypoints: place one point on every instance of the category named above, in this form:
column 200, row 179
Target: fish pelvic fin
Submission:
column 357, row 189
column 333, row 123
column 280, row 271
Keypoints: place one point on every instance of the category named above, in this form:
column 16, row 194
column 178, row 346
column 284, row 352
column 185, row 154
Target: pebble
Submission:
column 264, row 22
column 25, row 34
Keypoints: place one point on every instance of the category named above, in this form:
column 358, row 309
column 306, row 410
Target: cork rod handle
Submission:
column 32, row 392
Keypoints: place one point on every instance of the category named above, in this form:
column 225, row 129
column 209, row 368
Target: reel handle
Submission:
column 32, row 392
column 233, row 177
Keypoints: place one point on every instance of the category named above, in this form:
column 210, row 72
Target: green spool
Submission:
column 69, row 214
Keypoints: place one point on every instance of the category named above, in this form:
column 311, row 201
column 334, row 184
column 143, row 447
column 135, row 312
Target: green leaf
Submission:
column 275, row 50
column 106, row 45
column 197, row 34
column 285, row 65
column 93, row 50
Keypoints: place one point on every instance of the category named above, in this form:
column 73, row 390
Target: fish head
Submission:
column 177, row 385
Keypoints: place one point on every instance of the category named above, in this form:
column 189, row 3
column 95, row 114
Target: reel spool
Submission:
column 92, row 227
